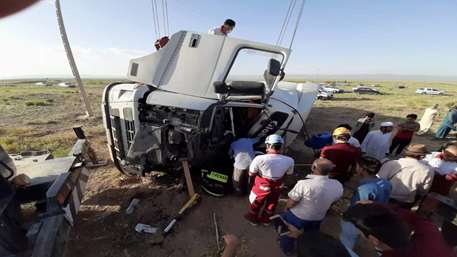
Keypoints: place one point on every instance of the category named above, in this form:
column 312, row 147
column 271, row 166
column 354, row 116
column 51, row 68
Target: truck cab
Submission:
column 195, row 96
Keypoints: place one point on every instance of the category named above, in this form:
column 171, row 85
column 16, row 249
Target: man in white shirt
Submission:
column 266, row 173
column 310, row 200
column 444, row 165
column 409, row 176
column 377, row 143
column 223, row 30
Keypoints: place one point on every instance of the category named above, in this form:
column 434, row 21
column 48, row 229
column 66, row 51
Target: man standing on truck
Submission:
column 266, row 173
column 223, row 30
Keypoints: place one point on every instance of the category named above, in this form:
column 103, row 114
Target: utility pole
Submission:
column 71, row 60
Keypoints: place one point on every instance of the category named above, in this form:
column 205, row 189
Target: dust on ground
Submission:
column 103, row 228
column 36, row 117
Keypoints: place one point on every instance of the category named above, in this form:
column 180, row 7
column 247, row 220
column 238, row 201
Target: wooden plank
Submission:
column 190, row 185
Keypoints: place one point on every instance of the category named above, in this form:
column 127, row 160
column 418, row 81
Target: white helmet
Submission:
column 274, row 139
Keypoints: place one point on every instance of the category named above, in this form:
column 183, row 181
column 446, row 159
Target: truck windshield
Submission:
column 250, row 65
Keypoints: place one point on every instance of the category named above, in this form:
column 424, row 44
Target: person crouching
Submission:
column 266, row 173
column 309, row 201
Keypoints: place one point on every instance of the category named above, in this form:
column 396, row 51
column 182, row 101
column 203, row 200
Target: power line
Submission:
column 284, row 22
column 156, row 18
column 166, row 12
column 297, row 23
column 289, row 18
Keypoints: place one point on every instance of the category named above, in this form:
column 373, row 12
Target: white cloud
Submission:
column 37, row 60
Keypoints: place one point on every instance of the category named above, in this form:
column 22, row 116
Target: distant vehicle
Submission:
column 66, row 84
column 429, row 91
column 324, row 95
column 333, row 90
column 366, row 90
column 401, row 86
column 43, row 84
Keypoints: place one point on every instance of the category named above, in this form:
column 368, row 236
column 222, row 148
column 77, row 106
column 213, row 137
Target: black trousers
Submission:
column 400, row 144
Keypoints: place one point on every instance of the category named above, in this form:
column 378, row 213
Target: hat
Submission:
column 274, row 139
column 341, row 131
column 451, row 150
column 387, row 124
column 416, row 149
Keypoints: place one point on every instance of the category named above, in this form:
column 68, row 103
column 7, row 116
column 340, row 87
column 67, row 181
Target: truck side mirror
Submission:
column 274, row 67
column 220, row 87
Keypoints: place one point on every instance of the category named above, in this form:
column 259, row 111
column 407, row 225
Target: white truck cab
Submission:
column 195, row 96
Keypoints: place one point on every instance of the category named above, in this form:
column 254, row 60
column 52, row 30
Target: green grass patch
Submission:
column 45, row 102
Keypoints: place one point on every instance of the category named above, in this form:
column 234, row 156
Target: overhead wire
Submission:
column 158, row 18
column 284, row 22
column 288, row 20
column 165, row 11
column 297, row 23
column 154, row 17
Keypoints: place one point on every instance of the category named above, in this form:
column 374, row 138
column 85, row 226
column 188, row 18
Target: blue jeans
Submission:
column 287, row 243
column 349, row 236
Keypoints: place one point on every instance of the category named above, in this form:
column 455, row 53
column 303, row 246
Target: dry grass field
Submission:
column 38, row 117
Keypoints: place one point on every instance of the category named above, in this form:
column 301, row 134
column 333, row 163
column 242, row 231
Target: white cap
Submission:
column 387, row 124
column 274, row 139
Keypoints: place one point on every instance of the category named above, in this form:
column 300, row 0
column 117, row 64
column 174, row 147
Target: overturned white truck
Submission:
column 196, row 95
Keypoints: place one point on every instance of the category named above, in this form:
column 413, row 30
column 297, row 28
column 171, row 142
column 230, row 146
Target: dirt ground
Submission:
column 103, row 228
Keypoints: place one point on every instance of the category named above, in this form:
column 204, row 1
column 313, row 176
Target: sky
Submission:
column 335, row 37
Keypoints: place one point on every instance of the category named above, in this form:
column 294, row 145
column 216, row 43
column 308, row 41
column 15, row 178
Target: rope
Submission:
column 297, row 23
column 165, row 7
column 154, row 18
column 284, row 23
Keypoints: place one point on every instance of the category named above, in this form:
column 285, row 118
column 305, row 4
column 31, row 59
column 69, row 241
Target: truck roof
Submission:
column 191, row 62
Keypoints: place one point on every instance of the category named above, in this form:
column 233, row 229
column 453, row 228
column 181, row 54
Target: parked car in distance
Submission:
column 366, row 90
column 324, row 95
column 429, row 91
column 333, row 90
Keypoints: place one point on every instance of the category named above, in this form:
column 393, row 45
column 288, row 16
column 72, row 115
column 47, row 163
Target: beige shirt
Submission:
column 314, row 196
column 408, row 177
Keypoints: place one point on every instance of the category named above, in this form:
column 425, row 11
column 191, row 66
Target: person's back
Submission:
column 316, row 195
column 408, row 176
column 396, row 232
column 272, row 166
column 343, row 155
column 373, row 189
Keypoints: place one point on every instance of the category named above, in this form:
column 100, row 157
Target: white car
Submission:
column 324, row 95
column 332, row 90
column 429, row 91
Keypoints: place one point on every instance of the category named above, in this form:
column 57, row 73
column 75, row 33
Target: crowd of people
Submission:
column 394, row 175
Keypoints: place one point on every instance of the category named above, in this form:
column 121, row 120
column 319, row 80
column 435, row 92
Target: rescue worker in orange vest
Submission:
column 267, row 172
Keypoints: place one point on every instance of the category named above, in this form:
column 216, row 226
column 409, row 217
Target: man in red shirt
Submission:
column 342, row 154
column 396, row 232
column 405, row 133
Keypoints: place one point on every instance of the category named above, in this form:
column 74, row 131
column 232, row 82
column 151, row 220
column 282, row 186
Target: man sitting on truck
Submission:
column 266, row 172
column 225, row 29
